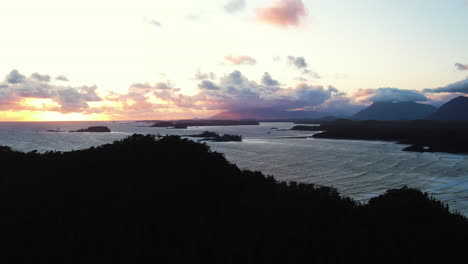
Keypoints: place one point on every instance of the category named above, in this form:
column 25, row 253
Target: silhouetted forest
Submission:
column 423, row 135
column 150, row 199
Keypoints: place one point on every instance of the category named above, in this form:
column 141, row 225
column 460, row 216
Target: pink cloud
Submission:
column 439, row 99
column 241, row 60
column 283, row 13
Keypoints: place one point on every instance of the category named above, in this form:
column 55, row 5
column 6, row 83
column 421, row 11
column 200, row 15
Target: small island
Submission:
column 180, row 126
column 94, row 129
column 213, row 136
column 307, row 128
column 163, row 124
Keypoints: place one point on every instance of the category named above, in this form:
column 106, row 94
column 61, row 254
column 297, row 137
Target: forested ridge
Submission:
column 168, row 199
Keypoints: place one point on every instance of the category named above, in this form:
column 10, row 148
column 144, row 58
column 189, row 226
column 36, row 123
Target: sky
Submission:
column 149, row 59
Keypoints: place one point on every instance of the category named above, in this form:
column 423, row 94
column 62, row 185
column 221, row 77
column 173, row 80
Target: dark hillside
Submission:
column 390, row 111
column 454, row 110
column 150, row 200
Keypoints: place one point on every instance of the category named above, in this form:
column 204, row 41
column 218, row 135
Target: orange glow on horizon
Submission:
column 39, row 103
column 37, row 116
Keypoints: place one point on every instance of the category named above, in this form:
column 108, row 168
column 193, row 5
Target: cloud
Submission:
column 61, row 78
column 389, row 95
column 236, row 92
column 457, row 87
column 72, row 99
column 313, row 95
column 438, row 99
column 15, row 77
column 141, row 85
column 283, row 13
column 17, row 87
column 461, row 67
column 231, row 92
column 268, row 81
column 143, row 100
column 155, row 23
column 40, row 77
column 299, row 62
column 209, row 85
column 241, row 60
column 311, row 74
column 340, row 105
column 234, row 6
column 204, row 75
column 152, row 22
column 146, row 87
column 162, row 86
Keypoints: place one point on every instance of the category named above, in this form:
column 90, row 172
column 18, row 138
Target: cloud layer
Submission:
column 283, row 13
column 235, row 92
column 457, row 87
column 232, row 92
column 17, row 87
column 388, row 95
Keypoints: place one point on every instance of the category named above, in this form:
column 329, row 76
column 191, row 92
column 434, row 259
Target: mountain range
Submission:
column 390, row 111
column 454, row 110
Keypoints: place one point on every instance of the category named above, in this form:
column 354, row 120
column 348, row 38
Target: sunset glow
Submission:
column 49, row 116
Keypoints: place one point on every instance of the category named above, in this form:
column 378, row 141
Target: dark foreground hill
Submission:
column 388, row 111
column 149, row 200
column 454, row 110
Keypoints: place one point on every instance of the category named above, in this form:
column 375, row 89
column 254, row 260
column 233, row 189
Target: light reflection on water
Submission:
column 359, row 169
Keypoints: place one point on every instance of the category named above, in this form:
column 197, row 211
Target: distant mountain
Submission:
column 454, row 110
column 387, row 111
column 268, row 114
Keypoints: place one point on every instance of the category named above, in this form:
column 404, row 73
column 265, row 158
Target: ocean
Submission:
column 358, row 169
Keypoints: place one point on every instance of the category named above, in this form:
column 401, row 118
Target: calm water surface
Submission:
column 359, row 169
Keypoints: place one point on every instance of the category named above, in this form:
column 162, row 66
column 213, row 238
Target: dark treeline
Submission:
column 144, row 199
column 423, row 135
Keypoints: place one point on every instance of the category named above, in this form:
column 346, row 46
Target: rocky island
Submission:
column 213, row 136
column 307, row 128
column 95, row 129
column 163, row 124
